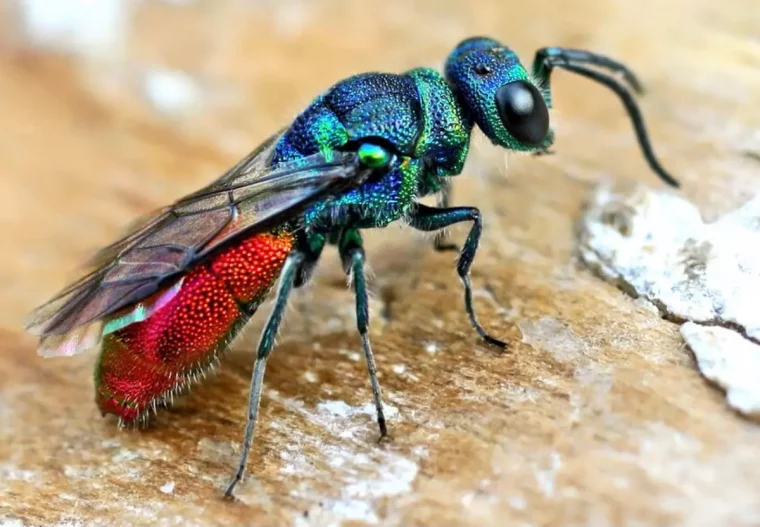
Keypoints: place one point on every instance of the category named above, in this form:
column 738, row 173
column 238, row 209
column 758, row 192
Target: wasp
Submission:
column 163, row 303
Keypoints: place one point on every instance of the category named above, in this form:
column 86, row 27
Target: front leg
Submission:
column 288, row 276
column 428, row 219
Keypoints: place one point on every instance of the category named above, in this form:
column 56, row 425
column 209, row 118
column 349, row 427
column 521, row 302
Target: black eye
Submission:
column 523, row 111
column 482, row 69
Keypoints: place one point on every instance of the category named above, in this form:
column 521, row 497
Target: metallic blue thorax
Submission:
column 416, row 115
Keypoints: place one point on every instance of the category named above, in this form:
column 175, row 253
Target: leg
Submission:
column 311, row 247
column 287, row 277
column 426, row 218
column 352, row 254
column 578, row 61
column 442, row 242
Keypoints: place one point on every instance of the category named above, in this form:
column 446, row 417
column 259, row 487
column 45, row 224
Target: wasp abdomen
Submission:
column 145, row 363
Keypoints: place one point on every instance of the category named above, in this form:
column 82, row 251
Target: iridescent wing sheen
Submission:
column 248, row 198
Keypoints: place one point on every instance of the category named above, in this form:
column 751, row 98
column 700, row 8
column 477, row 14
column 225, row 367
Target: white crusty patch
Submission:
column 168, row 487
column 348, row 451
column 730, row 361
column 655, row 245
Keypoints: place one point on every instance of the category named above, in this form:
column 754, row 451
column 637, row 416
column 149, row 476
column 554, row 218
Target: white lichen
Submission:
column 368, row 473
column 167, row 488
column 730, row 361
column 656, row 246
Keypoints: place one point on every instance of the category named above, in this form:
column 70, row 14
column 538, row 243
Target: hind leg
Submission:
column 287, row 278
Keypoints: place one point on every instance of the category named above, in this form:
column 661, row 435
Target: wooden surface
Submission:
column 596, row 415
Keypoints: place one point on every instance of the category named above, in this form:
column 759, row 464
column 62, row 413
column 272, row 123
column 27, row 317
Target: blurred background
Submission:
column 111, row 108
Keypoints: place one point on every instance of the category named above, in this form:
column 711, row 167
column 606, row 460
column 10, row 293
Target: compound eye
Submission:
column 523, row 112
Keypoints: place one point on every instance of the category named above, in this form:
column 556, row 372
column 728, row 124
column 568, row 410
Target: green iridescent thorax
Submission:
column 445, row 131
column 414, row 115
column 444, row 137
column 316, row 130
column 374, row 204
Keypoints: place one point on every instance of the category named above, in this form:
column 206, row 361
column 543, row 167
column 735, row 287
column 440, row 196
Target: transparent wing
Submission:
column 250, row 167
column 249, row 198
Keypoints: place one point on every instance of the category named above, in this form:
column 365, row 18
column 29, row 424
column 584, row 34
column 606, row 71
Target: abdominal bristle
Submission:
column 166, row 399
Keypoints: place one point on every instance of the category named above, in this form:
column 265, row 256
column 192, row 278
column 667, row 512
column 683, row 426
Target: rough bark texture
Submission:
column 596, row 415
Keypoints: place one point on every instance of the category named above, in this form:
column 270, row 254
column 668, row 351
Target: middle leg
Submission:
column 352, row 255
column 266, row 343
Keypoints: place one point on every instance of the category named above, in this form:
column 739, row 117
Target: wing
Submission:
column 248, row 198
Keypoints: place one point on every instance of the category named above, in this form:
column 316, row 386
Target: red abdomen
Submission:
column 144, row 363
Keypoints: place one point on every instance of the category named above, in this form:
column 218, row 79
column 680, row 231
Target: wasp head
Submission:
column 498, row 94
